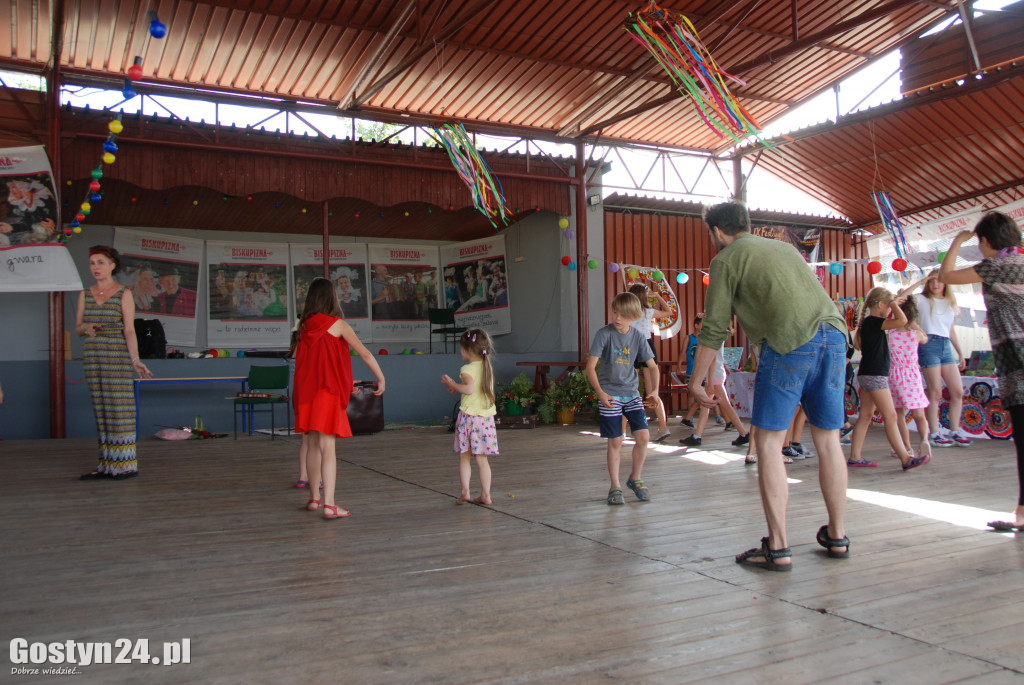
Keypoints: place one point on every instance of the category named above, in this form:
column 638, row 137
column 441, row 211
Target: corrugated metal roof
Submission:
column 564, row 70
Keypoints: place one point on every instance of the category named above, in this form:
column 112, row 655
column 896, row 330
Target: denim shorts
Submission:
column 812, row 375
column 936, row 352
column 611, row 418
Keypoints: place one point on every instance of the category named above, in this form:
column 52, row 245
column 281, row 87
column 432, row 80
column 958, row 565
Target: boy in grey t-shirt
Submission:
column 617, row 346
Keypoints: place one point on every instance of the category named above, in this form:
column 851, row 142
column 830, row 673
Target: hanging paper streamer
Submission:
column 488, row 196
column 890, row 220
column 673, row 41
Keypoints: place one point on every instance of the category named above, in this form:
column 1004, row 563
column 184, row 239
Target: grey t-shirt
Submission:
column 617, row 352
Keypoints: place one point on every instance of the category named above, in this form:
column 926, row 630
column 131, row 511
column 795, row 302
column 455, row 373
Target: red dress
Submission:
column 323, row 379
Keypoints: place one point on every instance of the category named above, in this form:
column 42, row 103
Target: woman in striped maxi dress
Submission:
column 106, row 319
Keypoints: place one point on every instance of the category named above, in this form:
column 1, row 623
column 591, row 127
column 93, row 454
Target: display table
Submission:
column 243, row 380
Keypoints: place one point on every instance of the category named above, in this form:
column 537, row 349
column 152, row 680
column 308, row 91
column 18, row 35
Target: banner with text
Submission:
column 403, row 286
column 248, row 295
column 163, row 273
column 476, row 284
column 348, row 274
column 28, row 226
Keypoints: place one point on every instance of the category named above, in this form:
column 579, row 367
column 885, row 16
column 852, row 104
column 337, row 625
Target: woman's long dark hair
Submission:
column 321, row 299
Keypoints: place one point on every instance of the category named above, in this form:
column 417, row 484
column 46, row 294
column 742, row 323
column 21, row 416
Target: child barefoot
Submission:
column 323, row 384
column 475, row 434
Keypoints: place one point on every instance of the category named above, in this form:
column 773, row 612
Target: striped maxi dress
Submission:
column 108, row 370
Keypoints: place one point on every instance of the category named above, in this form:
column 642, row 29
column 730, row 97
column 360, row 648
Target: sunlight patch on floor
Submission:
column 957, row 514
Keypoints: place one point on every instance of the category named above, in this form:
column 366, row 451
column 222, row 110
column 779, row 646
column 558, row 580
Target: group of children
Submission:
column 888, row 336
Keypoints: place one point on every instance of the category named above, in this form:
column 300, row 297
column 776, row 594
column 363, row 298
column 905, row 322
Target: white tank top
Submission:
column 937, row 315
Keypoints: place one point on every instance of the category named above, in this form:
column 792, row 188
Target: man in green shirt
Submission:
column 782, row 307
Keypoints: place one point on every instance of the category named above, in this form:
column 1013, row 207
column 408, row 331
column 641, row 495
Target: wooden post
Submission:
column 582, row 299
column 327, row 243
column 58, row 424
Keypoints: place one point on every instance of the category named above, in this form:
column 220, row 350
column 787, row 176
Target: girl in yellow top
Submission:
column 475, row 433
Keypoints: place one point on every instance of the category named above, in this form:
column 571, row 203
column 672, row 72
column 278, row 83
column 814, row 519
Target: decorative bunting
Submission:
column 488, row 195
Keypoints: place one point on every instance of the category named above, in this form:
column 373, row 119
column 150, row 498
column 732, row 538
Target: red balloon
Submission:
column 899, row 264
column 135, row 72
column 874, row 267
column 707, row 279
column 80, row 217
column 382, row 351
column 565, row 260
column 94, row 186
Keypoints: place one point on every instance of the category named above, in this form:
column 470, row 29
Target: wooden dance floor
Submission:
column 550, row 585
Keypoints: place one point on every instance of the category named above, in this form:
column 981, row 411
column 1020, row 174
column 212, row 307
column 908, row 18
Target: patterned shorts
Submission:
column 476, row 434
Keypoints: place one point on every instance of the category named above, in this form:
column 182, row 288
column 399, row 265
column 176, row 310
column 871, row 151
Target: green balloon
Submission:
column 657, row 275
column 592, row 264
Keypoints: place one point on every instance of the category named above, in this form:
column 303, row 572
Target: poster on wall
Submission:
column 403, row 286
column 163, row 273
column 28, row 226
column 248, row 295
column 807, row 242
column 633, row 274
column 475, row 284
column 348, row 274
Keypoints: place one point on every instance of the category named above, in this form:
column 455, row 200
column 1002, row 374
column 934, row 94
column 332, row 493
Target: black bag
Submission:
column 152, row 341
column 365, row 410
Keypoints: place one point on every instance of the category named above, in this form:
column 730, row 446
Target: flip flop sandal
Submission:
column 769, row 557
column 830, row 543
column 639, row 489
column 615, row 497
column 1003, row 526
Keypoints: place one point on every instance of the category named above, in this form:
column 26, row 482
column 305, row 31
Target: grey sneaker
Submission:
column 788, row 451
column 719, row 420
column 639, row 489
column 800, row 449
column 960, row 438
column 938, row 440
column 661, row 435
column 615, row 496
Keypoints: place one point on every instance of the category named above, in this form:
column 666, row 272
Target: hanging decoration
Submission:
column 673, row 41
column 891, row 221
column 488, row 195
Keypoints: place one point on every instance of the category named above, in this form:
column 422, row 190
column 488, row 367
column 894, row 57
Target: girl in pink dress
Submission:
column 905, row 381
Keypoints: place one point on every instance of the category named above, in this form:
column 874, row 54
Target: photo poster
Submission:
column 634, row 273
column 403, row 286
column 348, row 272
column 248, row 295
column 807, row 242
column 163, row 273
column 475, row 284
column 28, row 226
column 28, row 199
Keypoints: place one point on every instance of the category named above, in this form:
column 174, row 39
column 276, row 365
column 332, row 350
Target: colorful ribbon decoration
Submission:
column 890, row 220
column 488, row 195
column 674, row 43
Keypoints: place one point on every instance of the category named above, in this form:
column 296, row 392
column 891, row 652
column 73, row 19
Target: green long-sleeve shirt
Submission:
column 771, row 290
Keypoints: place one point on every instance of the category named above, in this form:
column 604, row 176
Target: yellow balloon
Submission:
column 633, row 273
column 563, row 223
column 86, row 207
column 108, row 158
column 115, row 126
column 77, row 229
column 195, row 202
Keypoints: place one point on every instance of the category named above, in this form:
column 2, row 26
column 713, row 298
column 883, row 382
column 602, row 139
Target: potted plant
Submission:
column 563, row 400
column 516, row 396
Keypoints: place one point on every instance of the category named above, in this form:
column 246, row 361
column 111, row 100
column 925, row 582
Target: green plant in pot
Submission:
column 562, row 400
column 516, row 396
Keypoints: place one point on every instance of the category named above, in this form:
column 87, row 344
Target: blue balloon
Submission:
column 96, row 197
column 572, row 266
column 835, row 268
column 110, row 146
column 682, row 277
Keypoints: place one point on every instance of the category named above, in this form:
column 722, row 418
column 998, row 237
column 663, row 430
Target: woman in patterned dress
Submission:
column 106, row 319
column 1001, row 274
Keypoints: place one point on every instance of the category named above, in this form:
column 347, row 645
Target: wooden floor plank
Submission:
column 212, row 543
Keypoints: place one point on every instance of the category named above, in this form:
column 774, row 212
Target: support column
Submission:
column 582, row 294
column 58, row 424
column 739, row 188
column 327, row 243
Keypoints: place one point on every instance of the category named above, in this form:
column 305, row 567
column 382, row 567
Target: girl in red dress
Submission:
column 323, row 383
